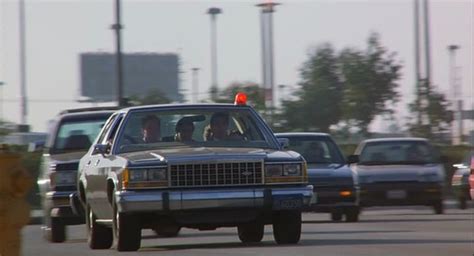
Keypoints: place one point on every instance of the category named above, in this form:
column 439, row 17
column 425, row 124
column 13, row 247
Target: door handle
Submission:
column 97, row 162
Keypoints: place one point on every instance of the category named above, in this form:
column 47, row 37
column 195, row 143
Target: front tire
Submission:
column 251, row 232
column 127, row 231
column 287, row 227
column 462, row 203
column 98, row 236
column 352, row 214
column 54, row 230
column 171, row 231
column 438, row 207
column 336, row 216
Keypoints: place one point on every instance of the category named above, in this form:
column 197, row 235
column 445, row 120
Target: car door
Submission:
column 102, row 165
column 91, row 164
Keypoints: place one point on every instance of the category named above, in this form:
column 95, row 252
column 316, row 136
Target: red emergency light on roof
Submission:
column 240, row 99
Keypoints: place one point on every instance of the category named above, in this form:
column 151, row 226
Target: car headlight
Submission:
column 273, row 170
column 292, row 170
column 153, row 174
column 281, row 173
column 428, row 177
column 63, row 178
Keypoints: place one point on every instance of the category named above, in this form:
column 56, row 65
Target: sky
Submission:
column 58, row 31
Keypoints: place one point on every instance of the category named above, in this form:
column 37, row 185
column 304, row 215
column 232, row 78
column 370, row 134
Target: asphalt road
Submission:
column 381, row 232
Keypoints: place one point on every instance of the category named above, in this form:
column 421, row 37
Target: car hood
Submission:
column 397, row 172
column 68, row 157
column 329, row 175
column 208, row 154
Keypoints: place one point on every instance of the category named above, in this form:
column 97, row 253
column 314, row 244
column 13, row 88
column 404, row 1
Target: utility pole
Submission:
column 427, row 44
column 118, row 42
column 213, row 12
column 417, row 59
column 195, row 85
column 266, row 19
column 24, row 99
column 456, row 94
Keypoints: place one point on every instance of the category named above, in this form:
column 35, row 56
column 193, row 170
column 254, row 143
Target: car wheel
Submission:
column 336, row 216
column 54, row 230
column 251, row 232
column 438, row 207
column 287, row 227
column 127, row 231
column 171, row 231
column 462, row 203
column 98, row 236
column 352, row 214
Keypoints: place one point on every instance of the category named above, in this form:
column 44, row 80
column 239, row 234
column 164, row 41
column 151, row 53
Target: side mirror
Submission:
column 284, row 143
column 352, row 159
column 101, row 149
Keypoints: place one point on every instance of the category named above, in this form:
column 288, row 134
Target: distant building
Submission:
column 142, row 73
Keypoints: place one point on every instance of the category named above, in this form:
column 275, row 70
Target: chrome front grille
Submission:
column 216, row 174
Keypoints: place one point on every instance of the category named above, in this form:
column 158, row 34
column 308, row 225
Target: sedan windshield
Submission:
column 397, row 152
column 316, row 149
column 165, row 128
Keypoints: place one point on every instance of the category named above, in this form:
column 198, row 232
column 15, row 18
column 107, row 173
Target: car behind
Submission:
column 399, row 171
column 333, row 181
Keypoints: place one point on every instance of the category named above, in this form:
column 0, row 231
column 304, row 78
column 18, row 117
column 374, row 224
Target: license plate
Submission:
column 396, row 194
column 287, row 202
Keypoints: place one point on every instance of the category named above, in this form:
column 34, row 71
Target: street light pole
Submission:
column 455, row 89
column 118, row 42
column 195, row 85
column 267, row 10
column 213, row 12
column 24, row 100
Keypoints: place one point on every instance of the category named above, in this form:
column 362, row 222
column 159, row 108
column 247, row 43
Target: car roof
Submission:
column 202, row 105
column 395, row 139
column 91, row 109
column 297, row 134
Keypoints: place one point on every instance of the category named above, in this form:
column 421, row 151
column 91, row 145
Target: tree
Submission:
column 370, row 83
column 432, row 108
column 255, row 94
column 320, row 95
column 152, row 97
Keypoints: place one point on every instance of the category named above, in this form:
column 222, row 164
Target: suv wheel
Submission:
column 127, row 231
column 287, row 227
column 54, row 230
column 462, row 202
column 336, row 216
column 438, row 207
column 352, row 214
column 251, row 232
column 98, row 236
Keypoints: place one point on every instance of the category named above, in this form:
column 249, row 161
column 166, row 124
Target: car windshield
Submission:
column 397, row 152
column 316, row 150
column 77, row 135
column 191, row 127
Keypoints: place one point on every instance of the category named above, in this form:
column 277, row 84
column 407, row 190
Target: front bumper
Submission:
column 207, row 199
column 335, row 198
column 60, row 208
column 392, row 194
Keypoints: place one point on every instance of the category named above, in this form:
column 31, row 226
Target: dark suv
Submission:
column 71, row 135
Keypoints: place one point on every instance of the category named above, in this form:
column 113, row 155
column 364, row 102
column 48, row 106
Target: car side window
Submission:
column 106, row 129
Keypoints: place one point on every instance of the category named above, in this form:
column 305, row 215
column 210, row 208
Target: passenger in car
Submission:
column 151, row 129
column 218, row 127
column 184, row 130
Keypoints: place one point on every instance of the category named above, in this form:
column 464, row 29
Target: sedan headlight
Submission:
column 145, row 177
column 153, row 174
column 292, row 170
column 281, row 173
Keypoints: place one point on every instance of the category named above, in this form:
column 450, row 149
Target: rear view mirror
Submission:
column 284, row 143
column 352, row 159
column 100, row 149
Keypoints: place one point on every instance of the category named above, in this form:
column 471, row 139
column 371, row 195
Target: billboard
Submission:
column 142, row 73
